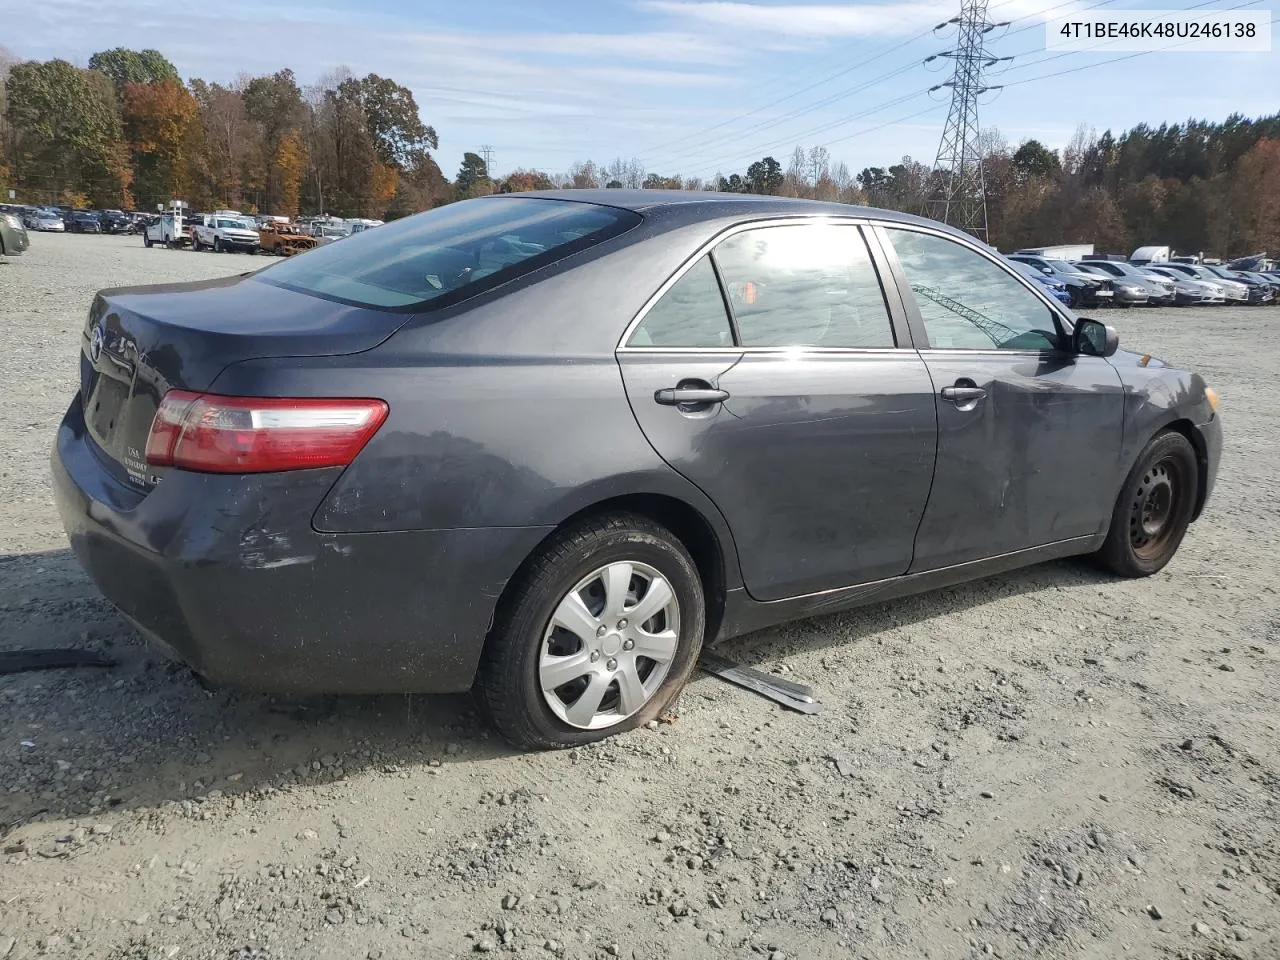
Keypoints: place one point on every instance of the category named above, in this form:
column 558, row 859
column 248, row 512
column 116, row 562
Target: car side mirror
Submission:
column 1046, row 270
column 1094, row 339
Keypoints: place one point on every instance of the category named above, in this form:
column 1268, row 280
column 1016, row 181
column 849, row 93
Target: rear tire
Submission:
column 1154, row 508
column 592, row 576
column 146, row 240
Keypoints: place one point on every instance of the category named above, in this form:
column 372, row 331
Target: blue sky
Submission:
column 687, row 86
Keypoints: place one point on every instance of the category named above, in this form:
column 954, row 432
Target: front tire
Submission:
column 600, row 634
column 1154, row 508
column 217, row 244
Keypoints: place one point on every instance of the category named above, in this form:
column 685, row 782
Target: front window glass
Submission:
column 967, row 301
column 450, row 252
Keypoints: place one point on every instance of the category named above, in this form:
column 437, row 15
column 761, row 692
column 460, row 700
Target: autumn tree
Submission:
column 519, row 180
column 227, row 138
column 66, row 133
column 1254, row 199
column 162, row 125
column 7, row 60
column 273, row 104
column 584, row 176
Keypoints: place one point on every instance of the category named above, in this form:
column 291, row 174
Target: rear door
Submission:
column 1029, row 432
column 813, row 425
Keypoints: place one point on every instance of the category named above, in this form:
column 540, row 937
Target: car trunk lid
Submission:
column 141, row 342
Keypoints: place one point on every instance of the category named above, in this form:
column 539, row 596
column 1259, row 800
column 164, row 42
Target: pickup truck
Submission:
column 225, row 231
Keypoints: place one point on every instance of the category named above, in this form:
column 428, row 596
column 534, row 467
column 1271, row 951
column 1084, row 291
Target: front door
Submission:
column 1029, row 433
column 802, row 412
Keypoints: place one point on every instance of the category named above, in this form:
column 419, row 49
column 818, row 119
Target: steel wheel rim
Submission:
column 609, row 645
column 1155, row 507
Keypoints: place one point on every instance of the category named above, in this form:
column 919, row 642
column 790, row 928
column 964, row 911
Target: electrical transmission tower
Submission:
column 958, row 196
column 486, row 152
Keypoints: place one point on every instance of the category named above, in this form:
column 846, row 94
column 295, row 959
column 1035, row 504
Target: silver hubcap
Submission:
column 609, row 645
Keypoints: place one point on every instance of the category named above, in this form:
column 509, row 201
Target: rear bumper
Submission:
column 227, row 574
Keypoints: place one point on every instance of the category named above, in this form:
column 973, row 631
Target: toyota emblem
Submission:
column 95, row 344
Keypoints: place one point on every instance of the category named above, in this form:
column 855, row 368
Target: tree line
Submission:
column 127, row 131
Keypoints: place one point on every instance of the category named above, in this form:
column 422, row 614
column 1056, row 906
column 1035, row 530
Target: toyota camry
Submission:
column 545, row 446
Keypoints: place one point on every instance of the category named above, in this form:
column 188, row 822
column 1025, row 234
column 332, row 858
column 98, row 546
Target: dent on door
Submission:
column 1031, row 462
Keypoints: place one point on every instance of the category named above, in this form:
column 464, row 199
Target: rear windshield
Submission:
column 449, row 253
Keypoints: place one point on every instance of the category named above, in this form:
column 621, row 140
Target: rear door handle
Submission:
column 678, row 396
column 960, row 395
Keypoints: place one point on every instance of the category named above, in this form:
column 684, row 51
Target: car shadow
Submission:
column 147, row 731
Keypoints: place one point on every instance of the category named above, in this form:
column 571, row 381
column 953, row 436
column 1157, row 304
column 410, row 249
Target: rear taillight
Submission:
column 208, row 433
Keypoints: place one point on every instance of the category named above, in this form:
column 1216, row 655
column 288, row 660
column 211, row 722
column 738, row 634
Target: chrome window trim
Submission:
column 786, row 352
column 736, row 228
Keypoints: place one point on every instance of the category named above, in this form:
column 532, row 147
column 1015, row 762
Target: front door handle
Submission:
column 679, row 396
column 961, row 396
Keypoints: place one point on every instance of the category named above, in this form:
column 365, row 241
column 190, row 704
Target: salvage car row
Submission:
column 231, row 231
column 1102, row 280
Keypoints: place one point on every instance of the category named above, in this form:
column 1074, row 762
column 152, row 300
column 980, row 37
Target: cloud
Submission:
column 809, row 20
column 824, row 21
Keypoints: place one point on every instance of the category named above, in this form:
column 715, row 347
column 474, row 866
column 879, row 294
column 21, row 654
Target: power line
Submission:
column 692, row 152
column 829, row 126
column 764, row 148
column 862, row 64
column 795, row 93
column 719, row 142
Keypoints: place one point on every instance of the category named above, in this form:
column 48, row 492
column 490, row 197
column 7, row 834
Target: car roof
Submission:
column 707, row 204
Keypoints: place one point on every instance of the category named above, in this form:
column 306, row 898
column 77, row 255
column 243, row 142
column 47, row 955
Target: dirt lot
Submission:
column 1046, row 764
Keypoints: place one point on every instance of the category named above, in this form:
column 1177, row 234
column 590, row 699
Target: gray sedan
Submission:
column 547, row 446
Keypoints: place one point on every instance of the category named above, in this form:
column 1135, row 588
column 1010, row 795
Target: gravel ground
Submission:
column 1046, row 764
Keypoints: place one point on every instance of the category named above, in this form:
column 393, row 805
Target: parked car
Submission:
column 1056, row 288
column 326, row 231
column 1234, row 291
column 1259, row 288
column 281, row 238
column 1087, row 290
column 13, row 236
column 1189, row 292
column 1160, row 292
column 546, row 448
column 83, row 221
column 46, row 221
column 115, row 221
column 225, row 231
column 1128, row 291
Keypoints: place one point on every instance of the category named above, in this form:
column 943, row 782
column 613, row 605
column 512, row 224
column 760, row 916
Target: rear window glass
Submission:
column 449, row 253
